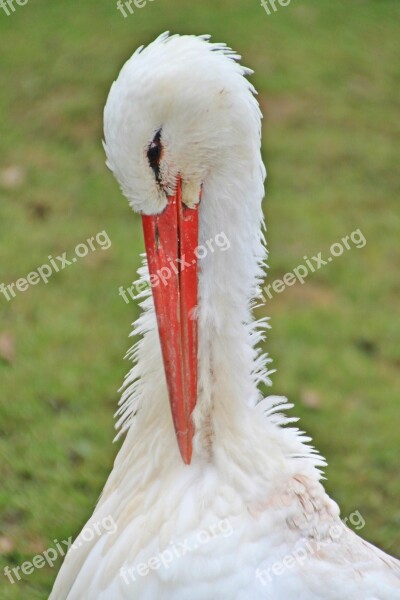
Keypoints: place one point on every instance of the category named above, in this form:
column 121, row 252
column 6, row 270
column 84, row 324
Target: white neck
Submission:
column 227, row 420
column 231, row 210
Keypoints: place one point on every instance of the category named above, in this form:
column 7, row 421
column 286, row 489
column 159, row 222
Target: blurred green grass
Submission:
column 328, row 76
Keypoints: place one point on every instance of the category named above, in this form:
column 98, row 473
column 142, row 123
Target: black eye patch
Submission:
column 154, row 155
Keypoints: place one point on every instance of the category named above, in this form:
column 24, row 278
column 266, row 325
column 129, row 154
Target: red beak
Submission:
column 171, row 240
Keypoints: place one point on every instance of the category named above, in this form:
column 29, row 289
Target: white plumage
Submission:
column 253, row 485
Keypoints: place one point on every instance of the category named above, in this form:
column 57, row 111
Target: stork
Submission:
column 214, row 495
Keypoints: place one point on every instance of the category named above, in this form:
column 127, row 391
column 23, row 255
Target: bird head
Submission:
column 172, row 117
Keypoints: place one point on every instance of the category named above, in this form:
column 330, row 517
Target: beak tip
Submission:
column 185, row 449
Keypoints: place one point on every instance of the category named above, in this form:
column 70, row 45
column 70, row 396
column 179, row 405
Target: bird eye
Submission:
column 154, row 154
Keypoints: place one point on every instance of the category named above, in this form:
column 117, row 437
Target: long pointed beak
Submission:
column 171, row 240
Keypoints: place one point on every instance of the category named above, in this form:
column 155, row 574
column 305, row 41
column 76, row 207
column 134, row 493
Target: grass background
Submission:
column 327, row 73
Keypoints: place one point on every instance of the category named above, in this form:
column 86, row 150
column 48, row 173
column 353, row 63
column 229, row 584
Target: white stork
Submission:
column 208, row 475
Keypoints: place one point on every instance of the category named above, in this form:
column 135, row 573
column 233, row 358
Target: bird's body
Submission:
column 248, row 518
